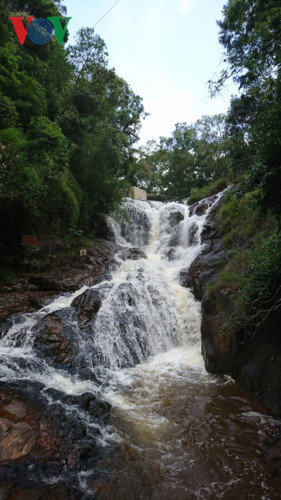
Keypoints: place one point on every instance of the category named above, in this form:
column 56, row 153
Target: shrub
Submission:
column 196, row 194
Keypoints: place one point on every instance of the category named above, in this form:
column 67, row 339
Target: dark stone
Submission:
column 87, row 304
column 201, row 206
column 250, row 376
column 201, row 209
column 250, row 354
column 210, row 230
column 219, row 343
column 174, row 240
column 102, row 228
column 273, row 456
column 175, row 217
column 21, row 436
column 132, row 254
column 203, row 269
column 97, row 408
column 192, row 235
column 52, row 340
column 171, row 254
column 41, row 442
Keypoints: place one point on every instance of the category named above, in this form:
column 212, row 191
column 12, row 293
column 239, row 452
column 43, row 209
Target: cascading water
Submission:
column 175, row 432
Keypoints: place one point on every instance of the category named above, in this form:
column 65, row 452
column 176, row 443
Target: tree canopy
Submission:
column 67, row 128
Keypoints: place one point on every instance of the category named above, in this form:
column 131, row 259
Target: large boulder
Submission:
column 44, row 438
column 132, row 254
column 26, row 431
column 54, row 341
column 203, row 269
column 87, row 304
column 175, row 217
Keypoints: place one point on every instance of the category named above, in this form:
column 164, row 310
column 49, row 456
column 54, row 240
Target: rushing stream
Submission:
column 175, row 432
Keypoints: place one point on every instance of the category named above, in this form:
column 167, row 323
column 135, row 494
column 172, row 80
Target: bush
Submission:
column 196, row 194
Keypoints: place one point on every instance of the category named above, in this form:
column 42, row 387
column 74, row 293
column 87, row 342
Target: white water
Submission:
column 172, row 244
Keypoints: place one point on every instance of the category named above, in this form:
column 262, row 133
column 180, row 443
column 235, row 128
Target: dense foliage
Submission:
column 67, row 127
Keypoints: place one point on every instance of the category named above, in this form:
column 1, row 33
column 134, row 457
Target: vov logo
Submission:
column 40, row 31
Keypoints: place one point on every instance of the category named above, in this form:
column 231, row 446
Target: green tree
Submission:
column 251, row 35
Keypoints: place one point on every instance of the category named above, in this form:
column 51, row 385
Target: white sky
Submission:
column 167, row 50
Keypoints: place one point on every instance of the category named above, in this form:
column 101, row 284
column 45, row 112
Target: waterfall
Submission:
column 143, row 310
column 132, row 342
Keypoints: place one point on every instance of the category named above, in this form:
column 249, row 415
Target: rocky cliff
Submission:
column 253, row 359
column 50, row 269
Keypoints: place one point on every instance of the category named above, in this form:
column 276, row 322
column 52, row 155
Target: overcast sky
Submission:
column 167, row 50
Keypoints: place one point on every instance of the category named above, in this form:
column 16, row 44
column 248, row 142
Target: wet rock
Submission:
column 78, row 454
column 25, row 431
column 211, row 230
column 273, row 456
column 219, row 342
column 203, row 269
column 64, row 274
column 87, row 304
column 171, row 254
column 88, row 402
column 102, row 228
column 175, row 217
column 53, row 340
column 16, row 408
column 42, row 441
column 251, row 354
column 193, row 235
column 17, row 440
column 15, row 303
column 132, row 254
column 53, row 492
column 97, row 408
column 201, row 209
column 174, row 240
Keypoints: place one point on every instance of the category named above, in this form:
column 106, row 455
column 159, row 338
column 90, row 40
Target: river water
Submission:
column 175, row 431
